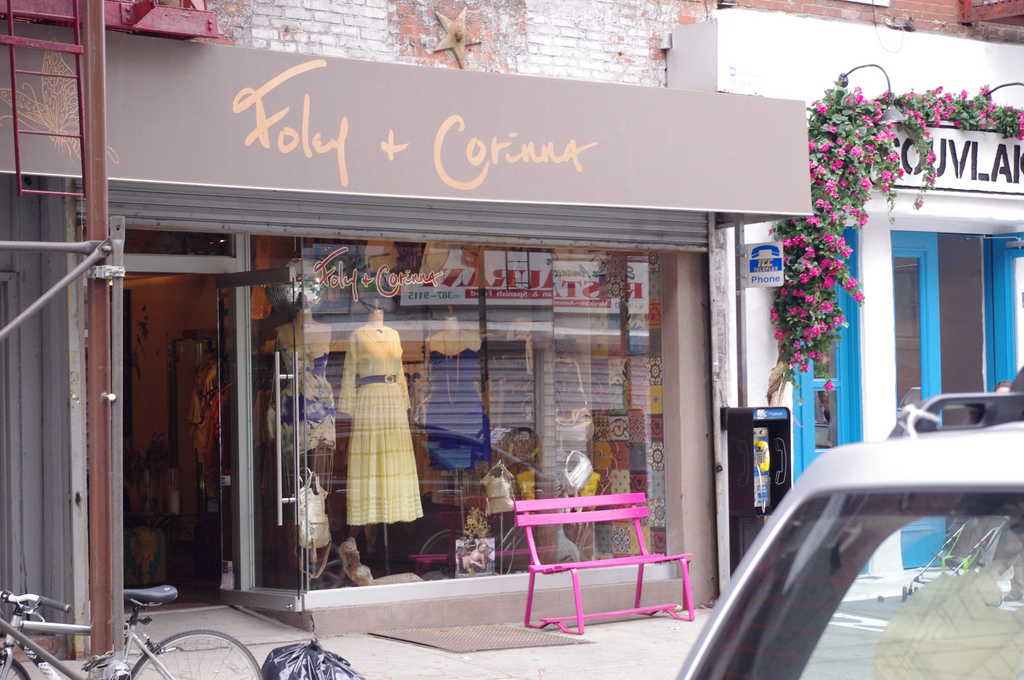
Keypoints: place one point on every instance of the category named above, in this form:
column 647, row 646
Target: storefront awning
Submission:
column 220, row 116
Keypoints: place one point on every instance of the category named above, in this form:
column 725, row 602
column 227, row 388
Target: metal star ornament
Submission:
column 456, row 37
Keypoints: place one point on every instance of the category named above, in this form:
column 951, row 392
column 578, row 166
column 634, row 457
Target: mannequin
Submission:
column 316, row 400
column 383, row 486
column 458, row 431
column 310, row 341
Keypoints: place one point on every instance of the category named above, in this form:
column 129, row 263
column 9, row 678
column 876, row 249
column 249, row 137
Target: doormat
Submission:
column 477, row 638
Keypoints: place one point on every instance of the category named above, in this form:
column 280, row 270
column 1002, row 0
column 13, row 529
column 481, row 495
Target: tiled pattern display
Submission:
column 629, row 447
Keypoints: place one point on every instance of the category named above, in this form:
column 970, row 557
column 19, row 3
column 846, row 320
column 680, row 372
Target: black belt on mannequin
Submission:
column 371, row 379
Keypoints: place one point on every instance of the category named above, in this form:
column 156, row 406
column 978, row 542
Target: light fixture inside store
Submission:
column 988, row 95
column 891, row 113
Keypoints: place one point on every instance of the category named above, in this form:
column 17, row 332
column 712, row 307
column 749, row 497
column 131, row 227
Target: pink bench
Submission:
column 627, row 506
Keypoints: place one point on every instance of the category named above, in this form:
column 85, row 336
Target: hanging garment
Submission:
column 315, row 403
column 382, row 482
column 458, row 430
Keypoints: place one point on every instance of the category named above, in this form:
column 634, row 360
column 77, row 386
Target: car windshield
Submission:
column 890, row 586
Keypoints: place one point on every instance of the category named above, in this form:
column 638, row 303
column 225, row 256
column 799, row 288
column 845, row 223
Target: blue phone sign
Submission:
column 762, row 265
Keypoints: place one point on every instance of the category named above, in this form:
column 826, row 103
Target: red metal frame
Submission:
column 14, row 43
column 191, row 20
column 1001, row 11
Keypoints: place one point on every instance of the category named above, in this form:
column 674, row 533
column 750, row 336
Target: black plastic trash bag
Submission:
column 307, row 661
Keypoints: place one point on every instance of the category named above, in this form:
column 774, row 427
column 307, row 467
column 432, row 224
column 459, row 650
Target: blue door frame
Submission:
column 922, row 538
column 1001, row 307
column 924, row 247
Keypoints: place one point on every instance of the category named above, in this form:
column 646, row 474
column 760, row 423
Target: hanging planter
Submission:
column 853, row 154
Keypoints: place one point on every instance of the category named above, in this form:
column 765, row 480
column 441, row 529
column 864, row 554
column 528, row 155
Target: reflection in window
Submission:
column 907, row 299
column 150, row 242
column 826, row 434
column 495, row 362
column 812, row 611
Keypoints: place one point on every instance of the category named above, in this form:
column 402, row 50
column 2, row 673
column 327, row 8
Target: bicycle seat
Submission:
column 154, row 595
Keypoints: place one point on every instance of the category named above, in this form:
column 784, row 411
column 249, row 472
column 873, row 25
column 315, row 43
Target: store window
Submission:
column 150, row 242
column 435, row 382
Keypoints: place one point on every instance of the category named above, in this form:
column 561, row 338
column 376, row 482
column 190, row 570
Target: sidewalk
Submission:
column 651, row 648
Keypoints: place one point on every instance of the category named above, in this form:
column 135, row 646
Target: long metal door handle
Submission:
column 277, row 437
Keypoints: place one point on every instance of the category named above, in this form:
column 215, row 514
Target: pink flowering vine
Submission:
column 851, row 153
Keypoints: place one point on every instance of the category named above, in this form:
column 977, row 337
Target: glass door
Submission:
column 918, row 359
column 1005, row 308
column 917, row 327
column 268, row 341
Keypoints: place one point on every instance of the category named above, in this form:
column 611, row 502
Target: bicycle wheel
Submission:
column 16, row 671
column 199, row 655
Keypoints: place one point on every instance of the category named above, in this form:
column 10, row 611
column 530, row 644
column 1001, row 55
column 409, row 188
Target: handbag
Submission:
column 578, row 471
column 527, row 484
column 498, row 483
column 578, row 427
column 576, row 540
column 314, row 527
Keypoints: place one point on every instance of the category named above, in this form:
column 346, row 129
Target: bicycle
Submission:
column 189, row 655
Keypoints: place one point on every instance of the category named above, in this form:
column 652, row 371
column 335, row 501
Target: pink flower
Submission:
column 829, row 386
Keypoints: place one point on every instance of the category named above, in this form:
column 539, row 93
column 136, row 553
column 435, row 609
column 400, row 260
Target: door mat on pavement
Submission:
column 477, row 638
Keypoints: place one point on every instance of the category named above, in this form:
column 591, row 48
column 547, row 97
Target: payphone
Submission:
column 760, row 469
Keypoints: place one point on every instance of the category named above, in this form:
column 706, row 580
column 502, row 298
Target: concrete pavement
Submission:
column 636, row 647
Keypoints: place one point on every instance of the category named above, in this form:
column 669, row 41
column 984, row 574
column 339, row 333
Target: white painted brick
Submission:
column 344, row 31
column 265, row 33
column 373, row 35
column 362, row 22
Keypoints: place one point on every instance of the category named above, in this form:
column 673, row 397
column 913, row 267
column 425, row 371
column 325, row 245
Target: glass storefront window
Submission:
column 150, row 242
column 427, row 375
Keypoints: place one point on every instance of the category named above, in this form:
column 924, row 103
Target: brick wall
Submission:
column 931, row 16
column 596, row 40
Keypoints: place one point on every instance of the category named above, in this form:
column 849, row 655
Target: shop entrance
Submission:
column 326, row 414
column 173, row 519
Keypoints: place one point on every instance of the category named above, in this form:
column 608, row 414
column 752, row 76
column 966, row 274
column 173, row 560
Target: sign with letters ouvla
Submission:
column 761, row 265
column 981, row 162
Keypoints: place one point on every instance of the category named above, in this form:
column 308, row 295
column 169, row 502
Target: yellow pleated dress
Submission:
column 383, row 485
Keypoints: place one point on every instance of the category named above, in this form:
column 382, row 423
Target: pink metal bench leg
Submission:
column 529, row 602
column 579, row 601
column 687, row 593
column 639, row 584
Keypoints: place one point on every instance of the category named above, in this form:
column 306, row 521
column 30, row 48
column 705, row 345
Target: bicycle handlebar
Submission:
column 54, row 604
column 30, row 601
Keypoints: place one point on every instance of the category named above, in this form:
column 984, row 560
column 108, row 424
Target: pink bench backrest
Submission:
column 545, row 511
